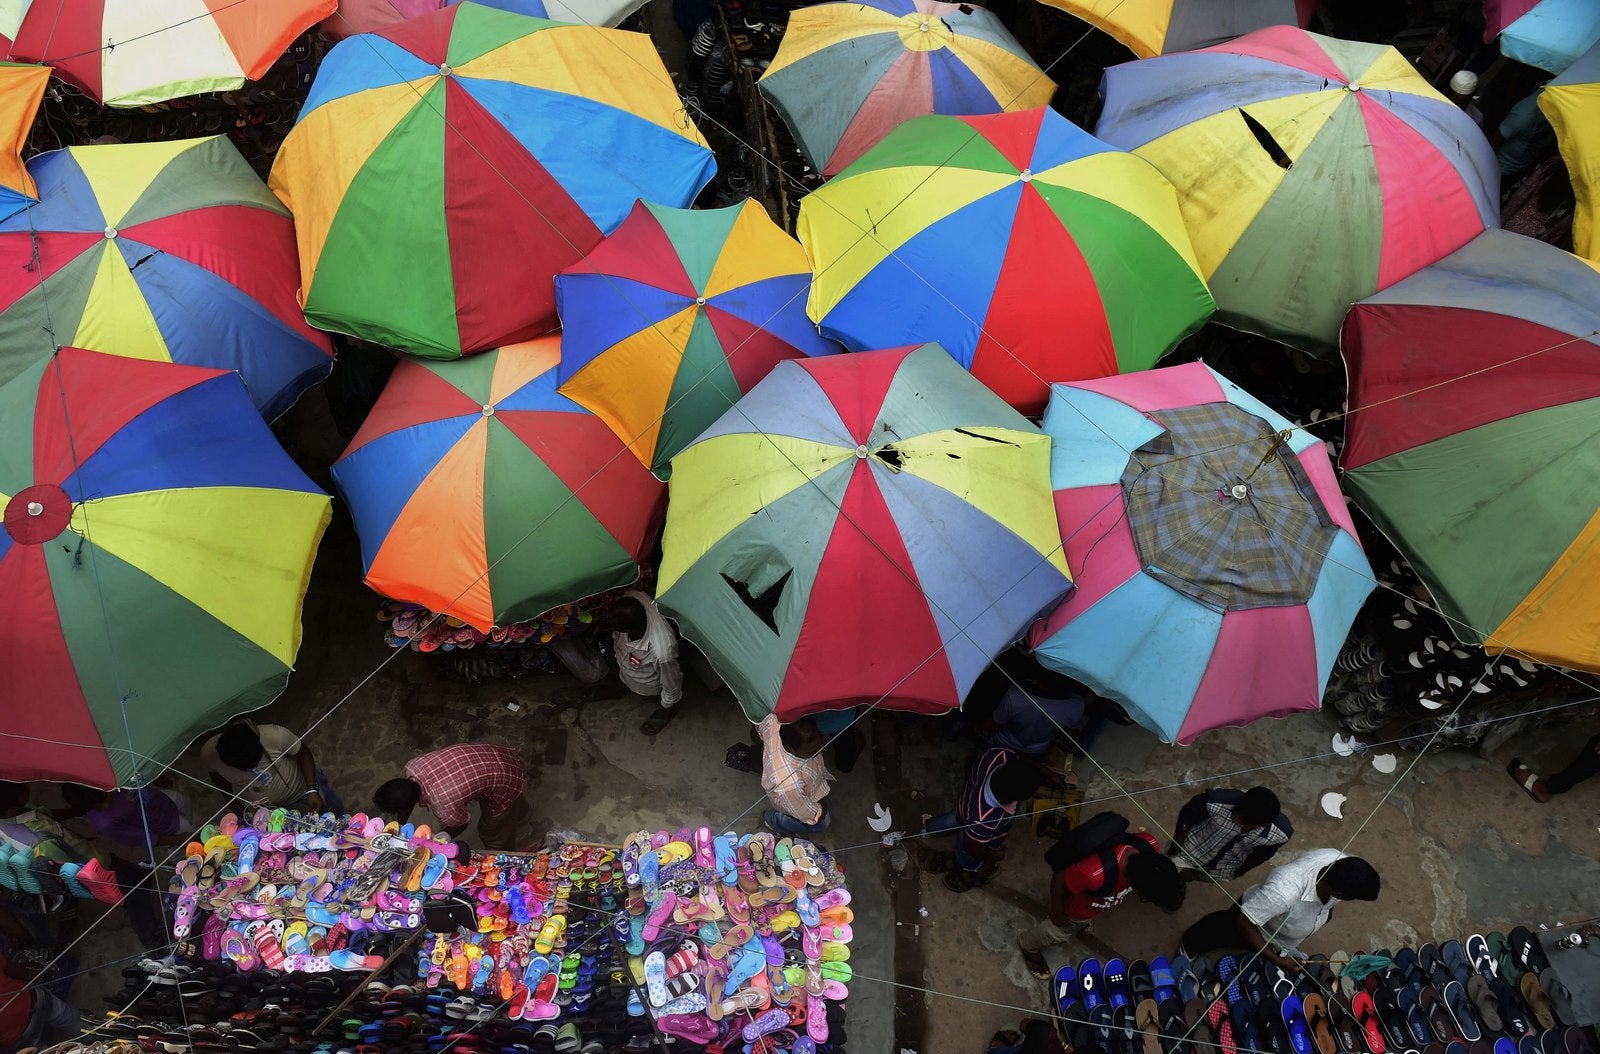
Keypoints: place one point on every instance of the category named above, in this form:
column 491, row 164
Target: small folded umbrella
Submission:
column 1473, row 440
column 868, row 528
column 154, row 555
column 676, row 315
column 847, row 74
column 445, row 168
column 1549, row 34
column 1572, row 103
column 1160, row 27
column 21, row 89
column 171, row 251
column 1027, row 248
column 480, row 492
column 135, row 52
column 1311, row 171
column 1217, row 570
column 368, row 16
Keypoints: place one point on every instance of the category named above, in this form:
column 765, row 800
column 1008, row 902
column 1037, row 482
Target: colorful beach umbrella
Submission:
column 172, row 251
column 480, row 492
column 677, row 314
column 1549, row 34
column 1159, row 27
column 445, row 168
column 1474, row 440
column 369, row 16
column 135, row 52
column 848, row 74
column 1311, row 172
column 21, row 89
column 1030, row 250
column 1217, row 569
column 869, row 528
column 155, row 551
column 1572, row 103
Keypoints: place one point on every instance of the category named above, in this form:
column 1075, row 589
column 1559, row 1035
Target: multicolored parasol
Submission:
column 1572, row 103
column 848, row 74
column 1311, row 171
column 155, row 551
column 21, row 89
column 869, row 528
column 1217, row 569
column 134, row 52
column 445, row 168
column 1474, row 440
column 172, row 251
column 1161, row 27
column 369, row 16
column 677, row 314
column 1549, row 34
column 481, row 493
column 1029, row 249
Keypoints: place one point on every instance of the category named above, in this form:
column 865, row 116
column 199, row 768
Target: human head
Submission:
column 396, row 798
column 1016, row 780
column 83, row 798
column 1352, row 878
column 1155, row 878
column 626, row 616
column 801, row 738
column 1257, row 807
column 13, row 797
column 239, row 747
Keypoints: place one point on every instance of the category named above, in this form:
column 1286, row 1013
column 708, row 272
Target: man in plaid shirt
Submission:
column 1226, row 832
column 446, row 780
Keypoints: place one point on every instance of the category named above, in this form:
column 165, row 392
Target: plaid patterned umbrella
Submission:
column 1217, row 570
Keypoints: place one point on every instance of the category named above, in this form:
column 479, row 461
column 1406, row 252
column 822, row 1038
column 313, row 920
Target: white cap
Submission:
column 1465, row 82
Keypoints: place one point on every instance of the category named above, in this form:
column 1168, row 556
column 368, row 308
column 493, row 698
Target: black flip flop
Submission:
column 1432, row 967
column 659, row 718
column 1438, row 1015
column 1529, row 952
column 1514, row 1013
column 1395, row 1032
column 1140, row 981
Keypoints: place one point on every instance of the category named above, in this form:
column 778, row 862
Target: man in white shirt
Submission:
column 647, row 655
column 1290, row 904
column 267, row 765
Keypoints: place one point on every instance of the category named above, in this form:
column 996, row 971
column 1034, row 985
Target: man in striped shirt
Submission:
column 998, row 780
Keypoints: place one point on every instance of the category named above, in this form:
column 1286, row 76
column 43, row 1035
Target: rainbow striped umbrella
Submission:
column 21, row 89
column 1474, row 440
column 847, row 74
column 1311, row 171
column 868, row 528
column 677, row 314
column 154, row 555
column 369, row 16
column 1550, row 34
column 1218, row 569
column 136, row 52
column 1029, row 249
column 482, row 493
column 445, row 168
column 1572, row 103
column 1160, row 27
column 171, row 251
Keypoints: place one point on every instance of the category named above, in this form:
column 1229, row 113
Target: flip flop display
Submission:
column 580, row 935
column 1455, row 997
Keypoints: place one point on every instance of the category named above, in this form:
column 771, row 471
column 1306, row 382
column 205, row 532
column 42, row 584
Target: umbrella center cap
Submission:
column 444, row 69
column 700, row 300
column 37, row 514
column 861, row 451
column 488, row 411
column 1026, row 175
column 111, row 232
column 1355, row 85
column 1239, row 491
column 924, row 27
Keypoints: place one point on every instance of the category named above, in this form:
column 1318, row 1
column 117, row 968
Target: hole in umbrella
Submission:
column 763, row 605
column 889, row 456
column 1269, row 144
column 986, row 439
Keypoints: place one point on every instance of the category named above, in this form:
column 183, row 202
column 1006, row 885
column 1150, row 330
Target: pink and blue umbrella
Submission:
column 1216, row 566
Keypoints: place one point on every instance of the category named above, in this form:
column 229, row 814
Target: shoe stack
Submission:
column 1484, row 996
column 739, row 943
column 415, row 627
column 26, row 870
column 306, row 893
